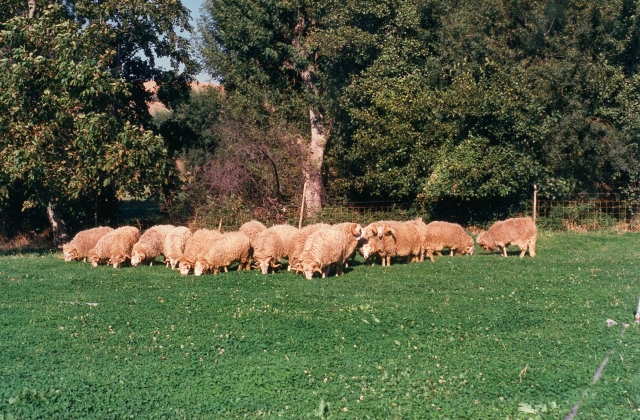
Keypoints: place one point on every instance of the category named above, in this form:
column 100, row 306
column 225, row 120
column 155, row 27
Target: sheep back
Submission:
column 252, row 229
column 79, row 247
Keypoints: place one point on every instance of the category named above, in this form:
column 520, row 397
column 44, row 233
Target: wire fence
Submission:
column 551, row 214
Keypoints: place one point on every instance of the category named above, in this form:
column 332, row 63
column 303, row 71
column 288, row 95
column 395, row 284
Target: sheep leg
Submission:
column 504, row 251
column 430, row 255
column 439, row 253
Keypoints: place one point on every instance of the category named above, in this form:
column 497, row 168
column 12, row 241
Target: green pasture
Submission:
column 466, row 337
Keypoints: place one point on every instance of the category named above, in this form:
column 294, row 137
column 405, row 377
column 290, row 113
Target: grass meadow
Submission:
column 465, row 337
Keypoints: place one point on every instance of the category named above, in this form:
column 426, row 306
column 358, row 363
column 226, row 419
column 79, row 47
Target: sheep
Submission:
column 115, row 246
column 174, row 245
column 353, row 232
column 272, row 245
column 83, row 242
column 252, row 229
column 194, row 246
column 220, row 253
column 268, row 250
column 441, row 235
column 151, row 244
column 520, row 232
column 323, row 250
column 298, row 241
column 390, row 238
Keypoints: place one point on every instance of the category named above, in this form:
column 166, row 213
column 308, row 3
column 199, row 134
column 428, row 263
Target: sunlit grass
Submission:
column 465, row 337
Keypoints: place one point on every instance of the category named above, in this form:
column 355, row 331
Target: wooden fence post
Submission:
column 535, row 201
column 304, row 191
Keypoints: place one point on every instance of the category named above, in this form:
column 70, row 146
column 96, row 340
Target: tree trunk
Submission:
column 60, row 234
column 313, row 166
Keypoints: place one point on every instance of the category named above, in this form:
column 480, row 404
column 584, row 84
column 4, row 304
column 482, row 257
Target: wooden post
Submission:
column 220, row 226
column 535, row 201
column 304, row 191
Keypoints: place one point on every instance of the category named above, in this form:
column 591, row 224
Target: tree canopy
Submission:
column 74, row 124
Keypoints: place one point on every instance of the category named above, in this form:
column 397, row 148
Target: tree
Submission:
column 265, row 51
column 72, row 129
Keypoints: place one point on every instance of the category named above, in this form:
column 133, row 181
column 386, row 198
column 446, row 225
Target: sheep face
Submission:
column 94, row 260
column 173, row 262
column 185, row 267
column 309, row 268
column 117, row 260
column 200, row 268
column 366, row 250
column 70, row 254
column 137, row 257
column 264, row 265
column 468, row 250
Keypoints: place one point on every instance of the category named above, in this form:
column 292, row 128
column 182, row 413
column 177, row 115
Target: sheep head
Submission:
column 118, row 259
column 384, row 229
column 70, row 254
column 309, row 268
column 484, row 241
column 185, row 267
column 94, row 259
column 137, row 257
column 200, row 268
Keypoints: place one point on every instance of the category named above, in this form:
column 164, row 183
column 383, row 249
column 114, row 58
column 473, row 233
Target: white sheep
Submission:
column 520, row 232
column 272, row 245
column 174, row 245
column 150, row 245
column 440, row 235
column 115, row 246
column 83, row 242
column 297, row 243
column 324, row 250
column 252, row 229
column 353, row 232
column 220, row 253
column 194, row 247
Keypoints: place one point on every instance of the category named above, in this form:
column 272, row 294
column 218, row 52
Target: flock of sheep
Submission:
column 318, row 248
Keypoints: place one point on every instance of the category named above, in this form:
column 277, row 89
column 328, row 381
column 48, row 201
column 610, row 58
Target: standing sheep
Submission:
column 220, row 253
column 151, row 244
column 174, row 245
column 323, row 250
column 390, row 238
column 83, row 242
column 194, row 247
column 441, row 235
column 115, row 246
column 520, row 232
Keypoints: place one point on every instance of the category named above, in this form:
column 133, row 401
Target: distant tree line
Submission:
column 456, row 106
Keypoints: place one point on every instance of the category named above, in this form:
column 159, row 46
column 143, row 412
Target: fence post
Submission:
column 304, row 191
column 535, row 201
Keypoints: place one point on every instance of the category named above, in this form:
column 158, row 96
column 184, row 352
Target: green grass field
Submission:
column 466, row 337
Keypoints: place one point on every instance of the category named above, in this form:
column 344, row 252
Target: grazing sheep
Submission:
column 323, row 250
column 151, row 244
column 268, row 250
column 441, row 235
column 252, row 229
column 298, row 241
column 115, row 246
column 520, row 232
column 83, row 242
column 174, row 245
column 194, row 247
column 220, row 253
column 272, row 245
column 353, row 232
